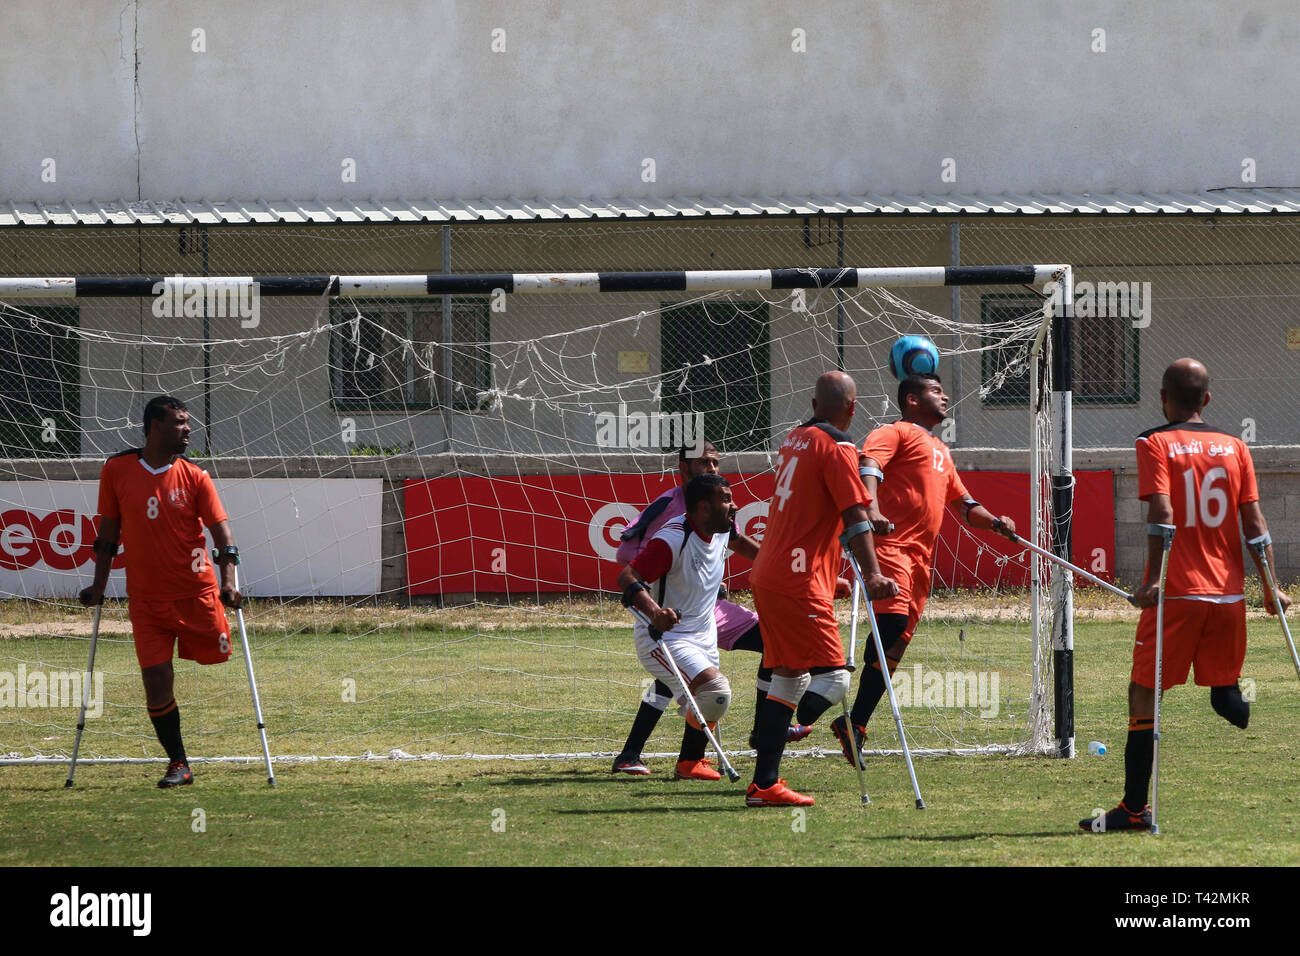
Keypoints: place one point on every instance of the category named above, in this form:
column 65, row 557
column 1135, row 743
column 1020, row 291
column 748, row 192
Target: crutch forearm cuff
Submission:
column 853, row 530
column 868, row 472
column 104, row 546
column 1263, row 541
column 630, row 592
column 1155, row 530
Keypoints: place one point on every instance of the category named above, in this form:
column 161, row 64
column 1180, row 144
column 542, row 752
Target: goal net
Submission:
column 427, row 476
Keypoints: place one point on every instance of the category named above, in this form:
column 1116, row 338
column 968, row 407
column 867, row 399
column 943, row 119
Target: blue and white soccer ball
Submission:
column 913, row 355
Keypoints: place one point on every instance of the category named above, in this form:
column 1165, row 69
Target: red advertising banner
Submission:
column 529, row 534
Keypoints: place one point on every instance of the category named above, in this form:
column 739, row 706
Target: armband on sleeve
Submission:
column 630, row 592
column 852, row 531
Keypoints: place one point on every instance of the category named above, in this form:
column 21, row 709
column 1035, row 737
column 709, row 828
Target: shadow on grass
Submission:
column 577, row 776
column 958, row 837
column 727, row 808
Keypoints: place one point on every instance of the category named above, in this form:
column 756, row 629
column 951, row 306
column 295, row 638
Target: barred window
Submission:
column 40, row 383
column 394, row 355
column 1105, row 356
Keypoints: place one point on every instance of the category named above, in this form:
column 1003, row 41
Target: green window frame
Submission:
column 40, row 383
column 391, row 356
column 1105, row 356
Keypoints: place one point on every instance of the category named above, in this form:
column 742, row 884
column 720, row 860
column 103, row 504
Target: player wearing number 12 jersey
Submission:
column 1197, row 479
column 157, row 502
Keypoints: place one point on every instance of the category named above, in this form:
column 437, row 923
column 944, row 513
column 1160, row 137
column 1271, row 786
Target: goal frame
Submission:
column 1056, row 323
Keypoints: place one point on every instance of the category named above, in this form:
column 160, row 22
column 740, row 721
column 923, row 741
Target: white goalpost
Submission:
column 426, row 475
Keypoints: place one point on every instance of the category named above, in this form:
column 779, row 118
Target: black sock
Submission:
column 760, row 695
column 694, row 741
column 811, row 706
column 872, row 686
column 773, row 719
column 1230, row 705
column 870, row 689
column 1137, row 762
column 643, row 725
column 167, row 725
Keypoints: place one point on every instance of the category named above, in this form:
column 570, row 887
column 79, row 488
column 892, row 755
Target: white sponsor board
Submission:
column 296, row 536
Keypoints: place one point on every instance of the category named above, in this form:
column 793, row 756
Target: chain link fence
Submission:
column 530, row 374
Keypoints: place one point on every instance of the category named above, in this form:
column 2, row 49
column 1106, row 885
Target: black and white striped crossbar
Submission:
column 523, row 282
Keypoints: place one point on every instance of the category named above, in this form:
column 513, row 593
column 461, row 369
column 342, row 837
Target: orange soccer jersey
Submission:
column 816, row 479
column 162, row 513
column 1207, row 475
column 920, row 479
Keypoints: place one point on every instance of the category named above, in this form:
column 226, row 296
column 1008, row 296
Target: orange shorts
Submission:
column 199, row 624
column 913, row 579
column 798, row 633
column 1211, row 636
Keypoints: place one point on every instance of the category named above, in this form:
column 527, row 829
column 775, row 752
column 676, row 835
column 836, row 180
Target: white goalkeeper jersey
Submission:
column 690, row 585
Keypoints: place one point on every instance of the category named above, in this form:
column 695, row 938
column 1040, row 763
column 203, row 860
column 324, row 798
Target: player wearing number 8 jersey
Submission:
column 1197, row 479
column 157, row 502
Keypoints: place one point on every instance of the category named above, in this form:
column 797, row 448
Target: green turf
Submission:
column 1228, row 798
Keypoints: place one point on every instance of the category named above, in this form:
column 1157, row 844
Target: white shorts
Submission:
column 693, row 653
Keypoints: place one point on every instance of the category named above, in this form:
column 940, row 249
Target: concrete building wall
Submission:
column 466, row 98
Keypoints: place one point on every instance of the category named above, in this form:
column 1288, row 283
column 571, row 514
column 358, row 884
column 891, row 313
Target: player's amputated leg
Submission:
column 1230, row 705
column 752, row 640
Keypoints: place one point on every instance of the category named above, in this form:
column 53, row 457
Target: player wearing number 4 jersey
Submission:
column 1197, row 479
column 819, row 506
column 909, row 474
column 156, row 502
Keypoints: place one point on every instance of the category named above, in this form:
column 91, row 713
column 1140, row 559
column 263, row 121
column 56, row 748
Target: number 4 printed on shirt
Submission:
column 784, row 479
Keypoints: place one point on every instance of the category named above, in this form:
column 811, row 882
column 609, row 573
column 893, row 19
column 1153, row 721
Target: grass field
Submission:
column 1228, row 796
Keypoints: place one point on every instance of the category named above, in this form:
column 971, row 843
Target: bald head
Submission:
column 834, row 397
column 1186, row 385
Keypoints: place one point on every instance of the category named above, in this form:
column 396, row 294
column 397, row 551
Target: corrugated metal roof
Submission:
column 306, row 212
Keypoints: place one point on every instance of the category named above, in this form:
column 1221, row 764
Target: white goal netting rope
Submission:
column 477, row 463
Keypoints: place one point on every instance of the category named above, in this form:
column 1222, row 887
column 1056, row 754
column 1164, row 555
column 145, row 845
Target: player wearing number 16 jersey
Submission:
column 1198, row 479
column 157, row 502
